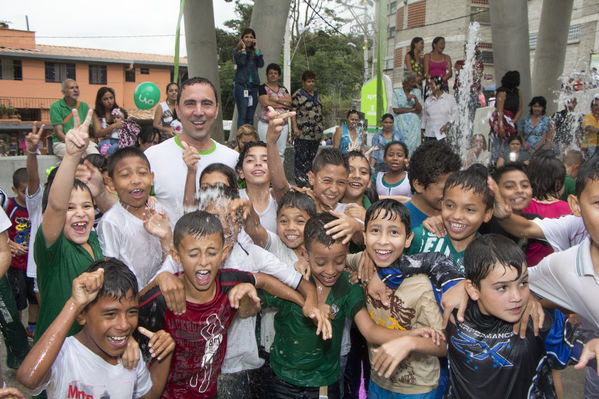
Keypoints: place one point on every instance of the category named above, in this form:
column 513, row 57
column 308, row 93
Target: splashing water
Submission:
column 465, row 118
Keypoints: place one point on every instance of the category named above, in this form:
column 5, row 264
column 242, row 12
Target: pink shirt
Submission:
column 437, row 68
column 537, row 251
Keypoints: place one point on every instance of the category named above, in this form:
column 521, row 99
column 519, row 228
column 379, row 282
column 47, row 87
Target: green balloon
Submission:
column 146, row 95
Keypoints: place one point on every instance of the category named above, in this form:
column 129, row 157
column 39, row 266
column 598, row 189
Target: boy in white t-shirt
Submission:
column 105, row 301
column 131, row 231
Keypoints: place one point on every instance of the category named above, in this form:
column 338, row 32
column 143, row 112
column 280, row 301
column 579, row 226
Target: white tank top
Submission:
column 400, row 188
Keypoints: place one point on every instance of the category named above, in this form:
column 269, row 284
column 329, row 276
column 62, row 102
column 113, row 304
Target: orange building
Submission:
column 31, row 76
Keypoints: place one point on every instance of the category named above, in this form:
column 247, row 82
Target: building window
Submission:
column 480, row 15
column 392, row 7
column 388, row 63
column 58, row 72
column 130, row 75
column 11, row 69
column 573, row 36
column 97, row 74
column 391, row 32
column 487, row 57
column 144, row 71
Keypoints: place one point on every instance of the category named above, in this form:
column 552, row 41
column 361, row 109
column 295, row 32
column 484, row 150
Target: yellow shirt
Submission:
column 590, row 140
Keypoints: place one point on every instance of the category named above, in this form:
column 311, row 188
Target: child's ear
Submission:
column 574, row 204
column 15, row 191
column 226, row 251
column 175, row 255
column 311, row 178
column 152, row 183
column 488, row 215
column 419, row 188
column 472, row 291
column 240, row 173
column 110, row 184
column 409, row 239
column 82, row 317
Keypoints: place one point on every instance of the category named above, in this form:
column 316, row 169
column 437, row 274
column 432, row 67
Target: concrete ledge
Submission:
column 8, row 165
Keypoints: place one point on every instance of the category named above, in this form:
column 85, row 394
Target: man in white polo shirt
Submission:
column 197, row 107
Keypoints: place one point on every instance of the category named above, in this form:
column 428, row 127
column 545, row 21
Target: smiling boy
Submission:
column 467, row 203
column 486, row 357
column 105, row 302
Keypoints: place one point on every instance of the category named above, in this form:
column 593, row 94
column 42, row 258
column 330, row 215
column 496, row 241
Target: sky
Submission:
column 91, row 24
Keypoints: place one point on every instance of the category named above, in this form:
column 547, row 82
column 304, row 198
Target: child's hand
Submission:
column 302, row 266
column 276, row 122
column 435, row 225
column 355, row 211
column 388, row 356
column 344, row 226
column 173, row 292
column 34, row 137
column 454, row 298
column 86, row 287
column 589, row 353
column 366, row 267
column 130, row 357
column 11, row 393
column 191, row 157
column 377, row 290
column 161, row 343
column 534, row 310
column 17, row 249
column 239, row 209
column 92, row 177
column 241, row 290
column 320, row 319
column 157, row 223
column 501, row 209
column 428, row 332
column 77, row 139
column 327, row 311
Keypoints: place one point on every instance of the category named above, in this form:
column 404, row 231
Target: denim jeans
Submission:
column 283, row 390
column 245, row 113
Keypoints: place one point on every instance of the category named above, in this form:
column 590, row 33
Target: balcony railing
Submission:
column 27, row 102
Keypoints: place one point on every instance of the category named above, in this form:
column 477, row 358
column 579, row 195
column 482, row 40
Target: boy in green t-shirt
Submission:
column 301, row 361
column 572, row 161
column 467, row 203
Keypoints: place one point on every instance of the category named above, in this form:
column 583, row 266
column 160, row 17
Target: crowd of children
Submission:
column 148, row 289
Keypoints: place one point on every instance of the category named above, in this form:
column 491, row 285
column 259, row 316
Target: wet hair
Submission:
column 413, row 44
column 430, row 161
column 402, row 144
column 299, row 200
column 573, row 157
column 100, row 110
column 511, row 79
column 589, row 171
column 385, row 116
column 196, row 81
column 19, row 176
column 595, row 99
column 315, row 231
column 198, row 224
column 273, row 66
column 389, row 209
column 119, row 281
column 546, row 174
column 122, row 153
column 244, row 152
column 308, row 75
column 515, row 137
column 147, row 135
column 97, row 160
column 474, row 178
column 437, row 40
column 223, row 169
column 485, row 252
column 352, row 111
column 329, row 156
column 508, row 167
column 538, row 100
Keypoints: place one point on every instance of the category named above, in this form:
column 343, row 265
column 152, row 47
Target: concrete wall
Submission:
column 9, row 164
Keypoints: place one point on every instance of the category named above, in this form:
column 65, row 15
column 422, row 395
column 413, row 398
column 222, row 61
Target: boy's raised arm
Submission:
column 35, row 369
column 191, row 158
column 31, row 141
column 162, row 346
column 76, row 142
column 279, row 182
